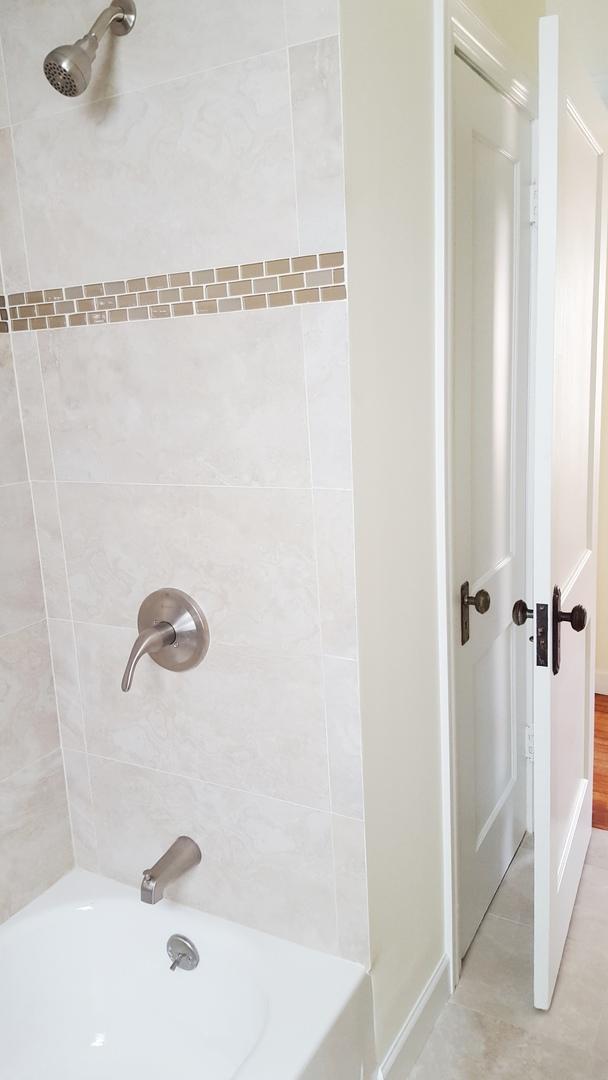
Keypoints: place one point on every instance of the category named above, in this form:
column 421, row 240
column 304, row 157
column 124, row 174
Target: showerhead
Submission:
column 68, row 67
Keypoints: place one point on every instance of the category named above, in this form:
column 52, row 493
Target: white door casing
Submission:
column 570, row 319
column 491, row 154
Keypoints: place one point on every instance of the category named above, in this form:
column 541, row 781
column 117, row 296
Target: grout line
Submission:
column 204, row 487
column 19, row 629
column 33, row 763
column 222, row 787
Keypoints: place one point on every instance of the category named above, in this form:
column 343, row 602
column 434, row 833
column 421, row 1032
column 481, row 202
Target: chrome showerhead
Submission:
column 68, row 67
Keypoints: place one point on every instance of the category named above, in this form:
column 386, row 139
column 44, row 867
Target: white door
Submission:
column 491, row 260
column 570, row 315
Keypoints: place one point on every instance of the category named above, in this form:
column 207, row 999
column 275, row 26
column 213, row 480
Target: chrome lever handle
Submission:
column 149, row 641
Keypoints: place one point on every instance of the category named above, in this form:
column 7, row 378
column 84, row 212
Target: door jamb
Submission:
column 457, row 31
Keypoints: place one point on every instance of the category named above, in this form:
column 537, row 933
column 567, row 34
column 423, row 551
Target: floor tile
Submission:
column 597, row 855
column 515, row 897
column 466, row 1045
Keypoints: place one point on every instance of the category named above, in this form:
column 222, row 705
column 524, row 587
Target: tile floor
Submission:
column 489, row 1029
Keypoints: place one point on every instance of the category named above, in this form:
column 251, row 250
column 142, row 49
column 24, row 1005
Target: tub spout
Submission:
column 183, row 854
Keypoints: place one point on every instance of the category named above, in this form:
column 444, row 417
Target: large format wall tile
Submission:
column 204, row 165
column 14, row 262
column 166, row 43
column 233, row 407
column 266, row 863
column 336, row 562
column 325, row 334
column 12, row 459
column 317, row 125
column 81, row 809
column 4, row 111
column 35, row 842
column 28, row 717
column 310, row 20
column 344, row 735
column 244, row 719
column 33, row 408
column 67, row 683
column 48, row 524
column 244, row 554
column 20, row 584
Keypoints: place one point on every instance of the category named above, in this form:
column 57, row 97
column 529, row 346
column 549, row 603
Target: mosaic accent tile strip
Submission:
column 304, row 279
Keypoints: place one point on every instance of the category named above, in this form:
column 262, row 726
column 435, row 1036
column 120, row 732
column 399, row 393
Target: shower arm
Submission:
column 104, row 21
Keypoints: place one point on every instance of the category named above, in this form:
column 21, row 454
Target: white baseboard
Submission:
column 601, row 682
column 412, row 1038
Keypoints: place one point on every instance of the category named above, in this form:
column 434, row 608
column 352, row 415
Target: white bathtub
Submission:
column 86, row 994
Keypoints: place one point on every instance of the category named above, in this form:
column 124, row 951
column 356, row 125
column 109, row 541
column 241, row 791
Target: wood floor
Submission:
column 600, row 769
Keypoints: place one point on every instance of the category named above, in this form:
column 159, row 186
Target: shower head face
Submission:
column 68, row 69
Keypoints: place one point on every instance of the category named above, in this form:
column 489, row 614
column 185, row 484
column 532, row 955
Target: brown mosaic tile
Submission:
column 226, row 273
column 128, row 300
column 215, row 291
column 278, row 266
column 306, row 296
column 251, row 270
column 3, row 328
column 292, row 281
column 302, row 279
column 334, row 292
column 179, row 279
column 149, row 297
column 168, row 296
column 280, row 299
column 240, row 288
column 251, row 303
column 193, row 292
column 304, row 262
column 203, row 277
column 331, row 258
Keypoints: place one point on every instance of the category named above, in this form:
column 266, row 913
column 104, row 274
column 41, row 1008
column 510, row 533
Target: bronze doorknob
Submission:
column 481, row 601
column 577, row 617
column 521, row 612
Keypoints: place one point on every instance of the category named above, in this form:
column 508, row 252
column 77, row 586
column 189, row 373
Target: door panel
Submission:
column 570, row 318
column 491, row 153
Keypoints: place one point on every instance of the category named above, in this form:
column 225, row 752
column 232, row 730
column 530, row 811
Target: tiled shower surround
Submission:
column 212, row 455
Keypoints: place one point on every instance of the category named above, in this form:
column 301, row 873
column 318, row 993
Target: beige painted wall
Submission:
column 515, row 22
column 387, row 56
column 387, row 53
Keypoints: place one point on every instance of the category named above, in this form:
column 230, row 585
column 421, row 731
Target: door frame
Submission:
column 459, row 32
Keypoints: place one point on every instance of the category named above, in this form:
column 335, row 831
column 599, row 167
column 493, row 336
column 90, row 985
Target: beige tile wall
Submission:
column 35, row 843
column 212, row 455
